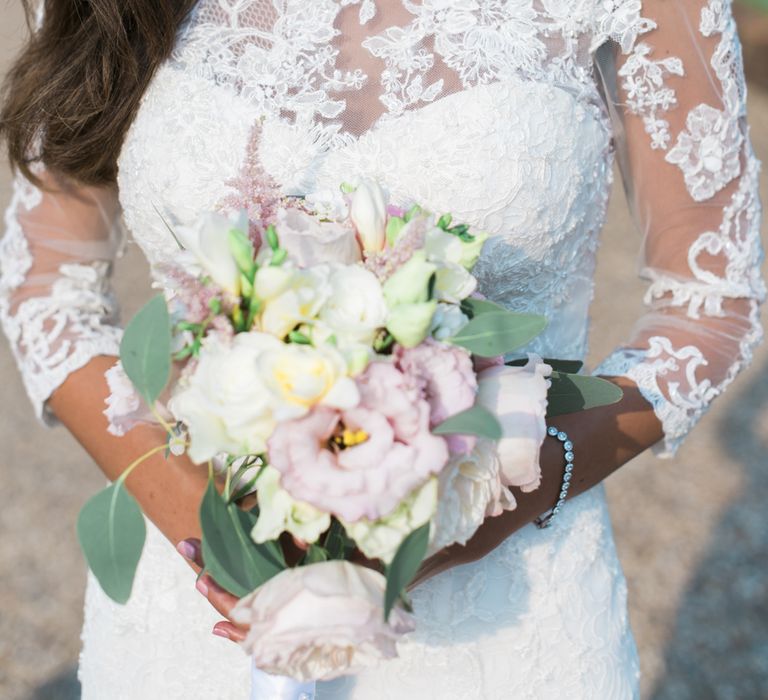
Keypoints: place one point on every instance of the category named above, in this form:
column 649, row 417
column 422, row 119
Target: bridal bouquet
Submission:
column 332, row 356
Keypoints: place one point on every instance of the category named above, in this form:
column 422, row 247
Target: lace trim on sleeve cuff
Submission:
column 677, row 410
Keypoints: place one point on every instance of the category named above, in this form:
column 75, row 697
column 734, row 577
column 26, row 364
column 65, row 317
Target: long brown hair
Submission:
column 72, row 93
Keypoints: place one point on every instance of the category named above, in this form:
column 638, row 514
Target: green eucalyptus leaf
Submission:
column 315, row 554
column 496, row 333
column 474, row 307
column 231, row 557
column 145, row 351
column 474, row 421
column 570, row 393
column 566, row 366
column 111, row 532
column 405, row 565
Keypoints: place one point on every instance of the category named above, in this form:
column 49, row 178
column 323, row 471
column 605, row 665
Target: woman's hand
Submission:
column 604, row 438
column 221, row 600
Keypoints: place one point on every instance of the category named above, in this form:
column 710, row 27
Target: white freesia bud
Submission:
column 279, row 512
column 369, row 214
column 208, row 241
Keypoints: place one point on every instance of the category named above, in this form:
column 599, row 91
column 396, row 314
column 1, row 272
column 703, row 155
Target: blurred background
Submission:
column 692, row 533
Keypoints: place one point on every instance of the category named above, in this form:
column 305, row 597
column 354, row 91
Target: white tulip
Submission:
column 369, row 214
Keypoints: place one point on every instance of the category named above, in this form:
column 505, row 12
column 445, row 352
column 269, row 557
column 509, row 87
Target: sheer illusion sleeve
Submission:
column 675, row 85
column 55, row 304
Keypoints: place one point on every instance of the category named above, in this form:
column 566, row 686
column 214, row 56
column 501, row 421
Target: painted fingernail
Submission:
column 186, row 549
column 217, row 631
column 201, row 586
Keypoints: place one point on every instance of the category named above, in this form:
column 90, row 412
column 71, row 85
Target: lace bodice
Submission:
column 502, row 111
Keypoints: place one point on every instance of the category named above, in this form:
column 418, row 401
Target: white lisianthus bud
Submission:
column 208, row 241
column 410, row 284
column 369, row 214
column 380, row 539
column 409, row 324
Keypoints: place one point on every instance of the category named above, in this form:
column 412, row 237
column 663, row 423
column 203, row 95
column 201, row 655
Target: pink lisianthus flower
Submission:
column 395, row 454
column 444, row 374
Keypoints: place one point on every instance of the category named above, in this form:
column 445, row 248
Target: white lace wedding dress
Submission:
column 506, row 113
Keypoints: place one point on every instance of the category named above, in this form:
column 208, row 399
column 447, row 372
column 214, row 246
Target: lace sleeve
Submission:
column 55, row 259
column 675, row 85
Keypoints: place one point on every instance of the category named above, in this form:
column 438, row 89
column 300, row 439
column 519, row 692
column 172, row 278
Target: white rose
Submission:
column 310, row 241
column 320, row 621
column 470, row 490
column 208, row 242
column 380, row 539
column 449, row 319
column 301, row 376
column 279, row 513
column 369, row 214
column 355, row 309
column 517, row 396
column 290, row 296
column 224, row 402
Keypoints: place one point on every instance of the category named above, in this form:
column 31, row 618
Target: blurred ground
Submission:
column 692, row 533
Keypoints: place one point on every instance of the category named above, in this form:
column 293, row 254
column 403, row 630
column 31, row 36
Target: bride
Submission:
column 508, row 113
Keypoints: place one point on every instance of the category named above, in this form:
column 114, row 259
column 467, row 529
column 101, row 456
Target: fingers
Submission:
column 222, row 601
column 191, row 550
column 229, row 631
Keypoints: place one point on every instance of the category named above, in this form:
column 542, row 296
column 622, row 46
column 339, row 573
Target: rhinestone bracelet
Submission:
column 545, row 520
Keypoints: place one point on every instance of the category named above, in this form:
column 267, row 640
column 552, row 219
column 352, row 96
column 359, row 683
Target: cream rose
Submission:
column 320, row 621
column 224, row 402
column 470, row 490
column 279, row 513
column 300, row 377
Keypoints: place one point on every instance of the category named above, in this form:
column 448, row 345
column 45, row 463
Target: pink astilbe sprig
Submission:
column 254, row 190
column 192, row 298
column 385, row 263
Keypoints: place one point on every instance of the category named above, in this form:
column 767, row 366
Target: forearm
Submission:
column 605, row 438
column 168, row 490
